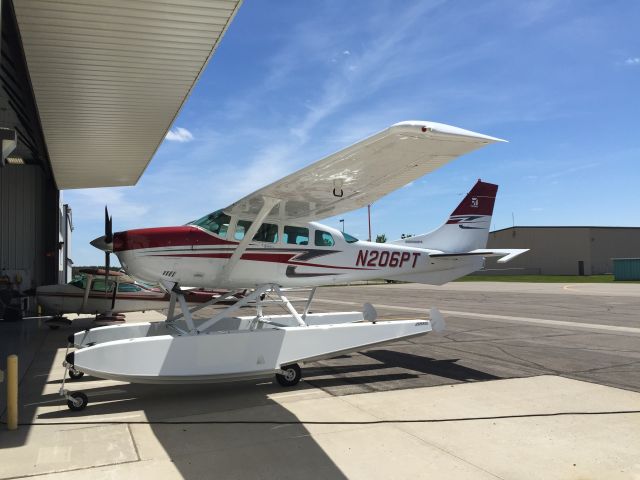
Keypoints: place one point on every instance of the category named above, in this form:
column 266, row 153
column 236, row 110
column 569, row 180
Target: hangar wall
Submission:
column 29, row 197
column 563, row 250
column 28, row 206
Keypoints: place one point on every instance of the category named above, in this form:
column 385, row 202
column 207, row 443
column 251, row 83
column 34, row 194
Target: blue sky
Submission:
column 294, row 81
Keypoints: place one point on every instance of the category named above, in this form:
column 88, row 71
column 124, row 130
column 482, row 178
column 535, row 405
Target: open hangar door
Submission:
column 30, row 246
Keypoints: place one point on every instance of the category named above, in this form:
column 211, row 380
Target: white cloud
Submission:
column 346, row 52
column 632, row 61
column 179, row 134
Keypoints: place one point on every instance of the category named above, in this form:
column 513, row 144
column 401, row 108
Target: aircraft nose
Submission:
column 119, row 242
column 101, row 244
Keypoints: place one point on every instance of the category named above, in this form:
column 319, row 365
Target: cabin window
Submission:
column 79, row 281
column 241, row 229
column 324, row 239
column 216, row 222
column 349, row 238
column 128, row 287
column 268, row 232
column 296, row 235
column 98, row 285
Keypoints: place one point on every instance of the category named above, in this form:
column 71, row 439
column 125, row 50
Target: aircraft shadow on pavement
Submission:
column 240, row 450
column 249, row 449
column 364, row 380
column 441, row 368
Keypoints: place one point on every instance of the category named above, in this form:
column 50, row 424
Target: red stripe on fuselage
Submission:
column 185, row 235
column 262, row 257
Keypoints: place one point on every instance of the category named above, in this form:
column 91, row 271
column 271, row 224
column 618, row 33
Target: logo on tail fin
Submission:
column 479, row 201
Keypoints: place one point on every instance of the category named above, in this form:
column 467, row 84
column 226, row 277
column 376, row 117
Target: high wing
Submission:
column 364, row 172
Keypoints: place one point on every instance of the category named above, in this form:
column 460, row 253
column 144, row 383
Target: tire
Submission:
column 75, row 374
column 291, row 376
column 82, row 404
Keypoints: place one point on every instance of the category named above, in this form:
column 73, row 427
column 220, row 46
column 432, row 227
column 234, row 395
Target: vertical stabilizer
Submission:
column 468, row 226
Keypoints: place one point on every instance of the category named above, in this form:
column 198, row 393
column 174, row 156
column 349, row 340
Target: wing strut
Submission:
column 267, row 206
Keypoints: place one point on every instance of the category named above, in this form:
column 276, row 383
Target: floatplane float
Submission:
column 269, row 241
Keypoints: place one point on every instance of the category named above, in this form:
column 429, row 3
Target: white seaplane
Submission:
column 269, row 241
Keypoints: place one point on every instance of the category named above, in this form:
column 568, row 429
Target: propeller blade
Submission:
column 107, row 265
column 105, row 242
column 113, row 297
column 108, row 226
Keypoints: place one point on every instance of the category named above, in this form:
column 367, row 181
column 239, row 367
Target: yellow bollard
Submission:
column 12, row 392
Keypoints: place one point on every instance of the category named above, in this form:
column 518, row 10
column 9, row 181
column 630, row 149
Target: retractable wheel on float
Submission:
column 290, row 376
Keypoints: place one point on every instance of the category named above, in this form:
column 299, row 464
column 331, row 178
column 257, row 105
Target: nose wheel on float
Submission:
column 76, row 401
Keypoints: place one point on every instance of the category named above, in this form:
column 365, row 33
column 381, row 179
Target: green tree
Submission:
column 382, row 238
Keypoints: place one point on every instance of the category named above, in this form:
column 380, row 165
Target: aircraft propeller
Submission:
column 105, row 243
column 108, row 240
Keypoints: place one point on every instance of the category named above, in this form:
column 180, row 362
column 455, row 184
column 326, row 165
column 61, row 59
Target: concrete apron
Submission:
column 516, row 441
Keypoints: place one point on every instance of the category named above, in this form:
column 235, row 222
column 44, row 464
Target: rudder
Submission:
column 467, row 227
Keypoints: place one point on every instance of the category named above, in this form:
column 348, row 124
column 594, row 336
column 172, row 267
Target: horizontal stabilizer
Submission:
column 507, row 254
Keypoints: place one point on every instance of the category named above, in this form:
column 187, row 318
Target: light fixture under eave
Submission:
column 14, row 161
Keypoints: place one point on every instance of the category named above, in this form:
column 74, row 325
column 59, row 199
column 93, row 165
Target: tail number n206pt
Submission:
column 377, row 258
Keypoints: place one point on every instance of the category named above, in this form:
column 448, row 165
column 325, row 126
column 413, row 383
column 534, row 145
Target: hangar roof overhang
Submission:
column 110, row 77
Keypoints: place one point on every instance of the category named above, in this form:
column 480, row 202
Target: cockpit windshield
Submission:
column 349, row 238
column 79, row 281
column 216, row 222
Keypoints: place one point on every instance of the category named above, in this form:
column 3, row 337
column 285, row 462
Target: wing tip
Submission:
column 442, row 128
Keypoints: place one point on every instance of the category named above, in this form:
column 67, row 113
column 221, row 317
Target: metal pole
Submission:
column 369, row 216
column 12, row 392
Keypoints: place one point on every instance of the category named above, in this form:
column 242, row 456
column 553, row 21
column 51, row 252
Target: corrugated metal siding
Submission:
column 22, row 207
column 557, row 250
column 553, row 251
column 626, row 268
column 109, row 78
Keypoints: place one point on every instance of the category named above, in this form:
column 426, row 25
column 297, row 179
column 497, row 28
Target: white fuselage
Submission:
column 193, row 256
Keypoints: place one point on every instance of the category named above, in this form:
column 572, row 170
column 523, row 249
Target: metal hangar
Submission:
column 89, row 90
